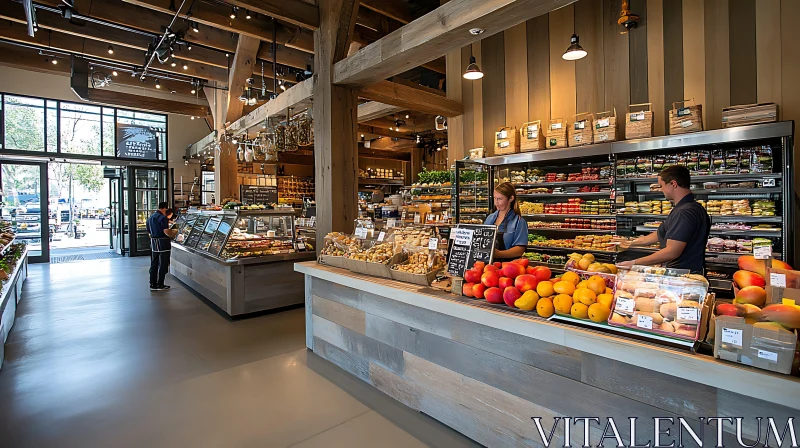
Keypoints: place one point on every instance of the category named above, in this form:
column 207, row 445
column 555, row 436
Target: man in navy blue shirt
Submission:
column 160, row 247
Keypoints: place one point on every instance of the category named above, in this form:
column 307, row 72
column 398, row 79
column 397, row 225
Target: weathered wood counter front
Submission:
column 486, row 373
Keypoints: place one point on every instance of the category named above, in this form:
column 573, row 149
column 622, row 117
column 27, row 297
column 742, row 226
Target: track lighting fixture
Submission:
column 188, row 46
column 55, row 61
column 283, row 87
column 185, row 66
column 247, row 14
column 158, row 84
column 233, row 13
column 114, row 73
column 195, row 27
column 110, row 49
column 575, row 51
column 173, row 63
column 194, row 90
column 362, row 135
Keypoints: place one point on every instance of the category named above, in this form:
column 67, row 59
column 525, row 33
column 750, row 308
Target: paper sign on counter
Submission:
column 778, row 280
column 381, row 236
column 687, row 313
column 762, row 252
column 361, row 232
column 391, row 222
column 433, row 244
column 625, row 304
column 732, row 336
column 644, row 321
column 769, row 356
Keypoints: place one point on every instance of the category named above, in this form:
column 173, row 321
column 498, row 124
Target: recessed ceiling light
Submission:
column 55, row 61
column 185, row 66
column 476, row 31
column 114, row 73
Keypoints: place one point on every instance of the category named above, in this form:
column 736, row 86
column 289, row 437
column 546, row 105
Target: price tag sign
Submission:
column 361, row 232
column 381, row 236
column 762, row 252
column 502, row 134
column 391, row 222
column 637, row 116
column 603, row 123
column 433, row 244
column 555, row 126
column 625, row 304
column 769, row 356
column 417, row 218
column 687, row 313
column 732, row 336
column 403, row 216
column 644, row 321
column 301, row 245
column 778, row 280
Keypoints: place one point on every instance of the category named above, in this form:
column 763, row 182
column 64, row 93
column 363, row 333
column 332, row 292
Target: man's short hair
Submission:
column 162, row 205
column 680, row 174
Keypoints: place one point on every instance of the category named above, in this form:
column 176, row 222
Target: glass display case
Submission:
column 232, row 235
column 473, row 198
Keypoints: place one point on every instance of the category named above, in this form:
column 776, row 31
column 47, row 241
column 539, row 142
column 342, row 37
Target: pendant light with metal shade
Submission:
column 473, row 72
column 575, row 51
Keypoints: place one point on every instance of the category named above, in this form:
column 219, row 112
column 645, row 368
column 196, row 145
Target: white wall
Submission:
column 182, row 130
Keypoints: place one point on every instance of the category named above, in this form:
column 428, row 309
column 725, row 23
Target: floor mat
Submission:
column 83, row 257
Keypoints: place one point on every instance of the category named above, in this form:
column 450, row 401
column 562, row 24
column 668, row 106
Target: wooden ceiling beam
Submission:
column 434, row 34
column 286, row 56
column 127, row 56
column 364, row 129
column 297, row 13
column 397, row 10
column 397, row 154
column 297, row 97
column 411, row 98
column 140, row 102
column 241, row 69
column 373, row 109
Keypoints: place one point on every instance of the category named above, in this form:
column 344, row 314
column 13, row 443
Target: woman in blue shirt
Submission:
column 512, row 230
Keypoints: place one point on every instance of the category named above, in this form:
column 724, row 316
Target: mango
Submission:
column 749, row 263
column 752, row 311
column 754, row 295
column 771, row 326
column 747, row 278
column 598, row 312
column 786, row 315
column 580, row 311
column 527, row 301
column 563, row 303
column 544, row 307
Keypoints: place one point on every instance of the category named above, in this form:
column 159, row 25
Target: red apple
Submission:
column 505, row 282
column 490, row 268
column 479, row 265
column 472, row 276
column 513, row 270
column 493, row 295
column 510, row 295
column 490, row 279
column 542, row 273
column 530, row 270
column 497, row 264
column 478, row 290
column 522, row 261
column 526, row 282
column 467, row 289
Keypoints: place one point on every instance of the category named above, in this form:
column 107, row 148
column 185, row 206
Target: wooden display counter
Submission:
column 10, row 296
column 486, row 373
column 243, row 286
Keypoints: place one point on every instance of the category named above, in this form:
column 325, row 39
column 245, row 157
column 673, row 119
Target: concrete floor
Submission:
column 96, row 359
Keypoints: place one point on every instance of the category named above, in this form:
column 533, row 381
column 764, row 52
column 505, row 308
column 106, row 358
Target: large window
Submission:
column 44, row 125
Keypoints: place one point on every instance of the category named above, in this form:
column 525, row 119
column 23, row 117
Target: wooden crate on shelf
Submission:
column 639, row 124
column 506, row 141
column 580, row 131
column 605, row 127
column 557, row 133
column 686, row 119
column 531, row 136
column 745, row 114
column 476, row 153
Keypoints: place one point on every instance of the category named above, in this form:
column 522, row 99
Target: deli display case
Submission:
column 241, row 260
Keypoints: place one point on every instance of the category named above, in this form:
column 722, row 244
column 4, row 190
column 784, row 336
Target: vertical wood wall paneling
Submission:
column 468, row 98
column 744, row 80
column 655, row 63
column 637, row 39
column 562, row 73
column 718, row 62
column 589, row 73
column 538, row 31
column 516, row 57
column 494, row 88
column 617, row 67
column 790, row 88
column 477, row 103
column 768, row 51
column 673, row 57
column 694, row 53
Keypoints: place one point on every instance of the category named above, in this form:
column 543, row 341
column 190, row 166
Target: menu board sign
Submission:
column 197, row 231
column 258, row 194
column 470, row 243
column 136, row 142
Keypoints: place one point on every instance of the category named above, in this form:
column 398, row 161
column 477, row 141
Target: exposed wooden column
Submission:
column 241, row 69
column 455, row 125
column 225, row 159
column 335, row 122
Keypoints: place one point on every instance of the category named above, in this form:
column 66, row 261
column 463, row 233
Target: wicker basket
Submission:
column 506, row 141
column 749, row 114
column 580, row 132
column 639, row 124
column 557, row 133
column 605, row 127
column 685, row 119
column 531, row 136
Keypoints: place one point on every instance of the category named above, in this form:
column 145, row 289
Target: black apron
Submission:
column 500, row 243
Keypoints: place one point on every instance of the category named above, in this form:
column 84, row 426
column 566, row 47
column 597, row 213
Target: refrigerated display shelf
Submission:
column 706, row 178
column 752, row 232
column 703, row 192
column 593, row 194
column 566, row 183
column 556, row 216
column 545, row 229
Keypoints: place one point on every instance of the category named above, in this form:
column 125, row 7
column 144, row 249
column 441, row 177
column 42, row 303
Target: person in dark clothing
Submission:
column 160, row 247
column 684, row 233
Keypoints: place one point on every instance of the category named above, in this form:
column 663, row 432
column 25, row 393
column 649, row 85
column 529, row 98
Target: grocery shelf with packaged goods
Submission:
column 474, row 185
column 430, row 200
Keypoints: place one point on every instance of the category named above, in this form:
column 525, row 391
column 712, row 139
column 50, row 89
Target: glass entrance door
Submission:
column 26, row 205
column 148, row 187
column 116, row 218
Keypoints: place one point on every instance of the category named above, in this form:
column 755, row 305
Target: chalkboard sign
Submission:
column 258, row 194
column 470, row 243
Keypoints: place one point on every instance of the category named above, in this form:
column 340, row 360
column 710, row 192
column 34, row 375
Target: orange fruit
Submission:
column 609, row 291
column 596, row 284
column 585, row 296
column 580, row 311
column 605, row 299
column 562, row 303
column 545, row 289
column 572, row 277
column 581, row 284
column 598, row 312
column 545, row 307
column 563, row 287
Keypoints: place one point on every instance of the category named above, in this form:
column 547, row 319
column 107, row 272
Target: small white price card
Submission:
column 687, row 313
column 637, row 117
column 644, row 321
column 625, row 304
column 762, row 252
column 732, row 336
column 361, row 232
column 503, row 144
column 416, row 218
column 603, row 123
column 778, row 280
column 555, row 126
column 391, row 222
column 381, row 236
column 433, row 243
column 462, row 237
column 769, row 356
column 502, row 134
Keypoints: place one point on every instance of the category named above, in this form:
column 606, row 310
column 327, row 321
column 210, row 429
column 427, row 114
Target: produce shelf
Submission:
column 5, row 249
column 593, row 194
column 548, row 229
column 731, row 232
column 379, row 181
column 623, row 331
column 714, row 218
column 703, row 192
column 544, row 215
column 571, row 249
